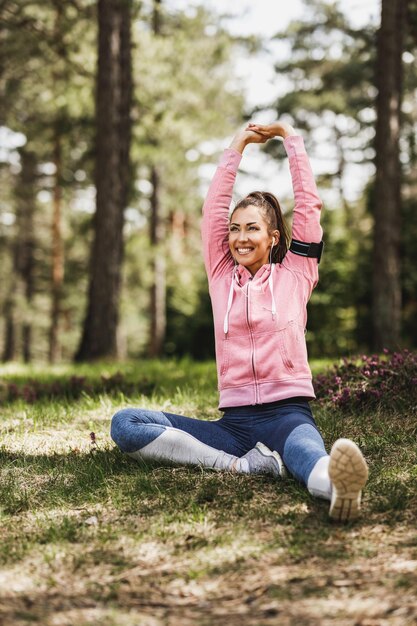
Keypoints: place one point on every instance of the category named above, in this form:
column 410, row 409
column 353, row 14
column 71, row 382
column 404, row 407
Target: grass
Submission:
column 88, row 536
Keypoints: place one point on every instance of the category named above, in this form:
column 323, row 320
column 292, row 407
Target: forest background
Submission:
column 113, row 115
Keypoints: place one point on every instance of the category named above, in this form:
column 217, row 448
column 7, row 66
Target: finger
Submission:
column 254, row 127
column 258, row 135
column 253, row 130
column 259, row 131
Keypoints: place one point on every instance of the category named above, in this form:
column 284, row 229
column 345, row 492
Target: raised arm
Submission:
column 306, row 218
column 215, row 224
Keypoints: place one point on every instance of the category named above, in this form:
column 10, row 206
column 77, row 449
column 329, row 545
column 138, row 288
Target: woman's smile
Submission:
column 243, row 251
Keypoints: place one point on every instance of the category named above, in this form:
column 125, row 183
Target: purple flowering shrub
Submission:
column 33, row 390
column 389, row 381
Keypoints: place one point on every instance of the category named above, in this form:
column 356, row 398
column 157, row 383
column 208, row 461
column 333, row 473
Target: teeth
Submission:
column 244, row 250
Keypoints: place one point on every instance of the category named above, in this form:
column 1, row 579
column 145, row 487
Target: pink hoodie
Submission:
column 260, row 322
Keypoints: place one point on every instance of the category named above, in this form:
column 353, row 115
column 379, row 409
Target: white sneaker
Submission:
column 262, row 460
column 348, row 473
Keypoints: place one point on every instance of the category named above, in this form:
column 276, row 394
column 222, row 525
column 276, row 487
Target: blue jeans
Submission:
column 285, row 426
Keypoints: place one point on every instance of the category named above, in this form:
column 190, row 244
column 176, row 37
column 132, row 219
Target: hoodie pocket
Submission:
column 282, row 354
column 273, row 361
column 286, row 359
column 235, row 366
column 294, row 348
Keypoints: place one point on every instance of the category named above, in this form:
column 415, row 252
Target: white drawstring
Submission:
column 271, row 289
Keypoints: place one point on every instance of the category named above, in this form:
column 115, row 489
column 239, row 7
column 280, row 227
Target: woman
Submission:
column 259, row 290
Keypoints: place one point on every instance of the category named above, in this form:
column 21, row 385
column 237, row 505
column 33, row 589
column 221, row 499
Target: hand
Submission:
column 253, row 136
column 244, row 137
column 276, row 129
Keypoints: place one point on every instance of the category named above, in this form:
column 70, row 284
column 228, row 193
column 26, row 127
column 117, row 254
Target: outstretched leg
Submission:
column 348, row 473
column 338, row 477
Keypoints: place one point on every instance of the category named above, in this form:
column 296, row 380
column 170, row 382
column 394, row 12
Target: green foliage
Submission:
column 331, row 69
column 339, row 310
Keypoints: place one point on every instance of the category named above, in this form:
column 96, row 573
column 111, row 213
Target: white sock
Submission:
column 318, row 483
column 180, row 447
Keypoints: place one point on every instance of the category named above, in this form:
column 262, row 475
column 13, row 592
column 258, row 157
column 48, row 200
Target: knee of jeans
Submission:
column 133, row 428
column 120, row 417
column 118, row 425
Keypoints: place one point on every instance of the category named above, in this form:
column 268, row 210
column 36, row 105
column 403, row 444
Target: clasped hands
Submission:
column 260, row 133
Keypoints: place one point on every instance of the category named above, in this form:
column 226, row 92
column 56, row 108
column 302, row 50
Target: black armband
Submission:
column 312, row 250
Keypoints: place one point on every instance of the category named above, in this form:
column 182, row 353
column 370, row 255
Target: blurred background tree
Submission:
column 77, row 282
column 336, row 73
column 112, row 176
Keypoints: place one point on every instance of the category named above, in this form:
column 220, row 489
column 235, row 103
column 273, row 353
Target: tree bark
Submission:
column 386, row 259
column 22, row 282
column 25, row 259
column 157, row 17
column 9, row 348
column 57, row 252
column 57, row 271
column 157, row 236
column 158, row 288
column 113, row 124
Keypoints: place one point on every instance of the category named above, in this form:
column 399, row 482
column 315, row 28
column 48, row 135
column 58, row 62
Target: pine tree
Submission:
column 113, row 128
column 387, row 228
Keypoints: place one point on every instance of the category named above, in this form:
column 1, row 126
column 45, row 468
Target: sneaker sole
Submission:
column 265, row 451
column 348, row 473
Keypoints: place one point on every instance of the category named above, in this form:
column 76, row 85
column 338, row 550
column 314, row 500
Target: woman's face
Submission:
column 249, row 240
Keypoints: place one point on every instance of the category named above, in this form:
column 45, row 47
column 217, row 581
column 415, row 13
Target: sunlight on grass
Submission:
column 82, row 524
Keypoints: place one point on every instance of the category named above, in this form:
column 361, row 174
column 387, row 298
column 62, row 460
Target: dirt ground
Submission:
column 187, row 585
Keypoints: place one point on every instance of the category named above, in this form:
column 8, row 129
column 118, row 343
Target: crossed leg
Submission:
column 147, row 434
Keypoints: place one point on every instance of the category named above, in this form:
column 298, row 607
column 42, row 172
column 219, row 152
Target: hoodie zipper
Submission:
column 252, row 343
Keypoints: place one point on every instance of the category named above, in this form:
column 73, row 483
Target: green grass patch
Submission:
column 83, row 525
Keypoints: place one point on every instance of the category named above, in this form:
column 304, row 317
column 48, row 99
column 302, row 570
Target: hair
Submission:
column 271, row 212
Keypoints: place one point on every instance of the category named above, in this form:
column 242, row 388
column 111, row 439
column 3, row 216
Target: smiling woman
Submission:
column 259, row 290
column 249, row 239
column 258, row 217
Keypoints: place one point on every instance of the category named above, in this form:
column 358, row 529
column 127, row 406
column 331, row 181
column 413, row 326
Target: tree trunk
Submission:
column 157, row 236
column 25, row 245
column 157, row 17
column 158, row 288
column 57, row 253
column 386, row 260
column 113, row 124
column 9, row 348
